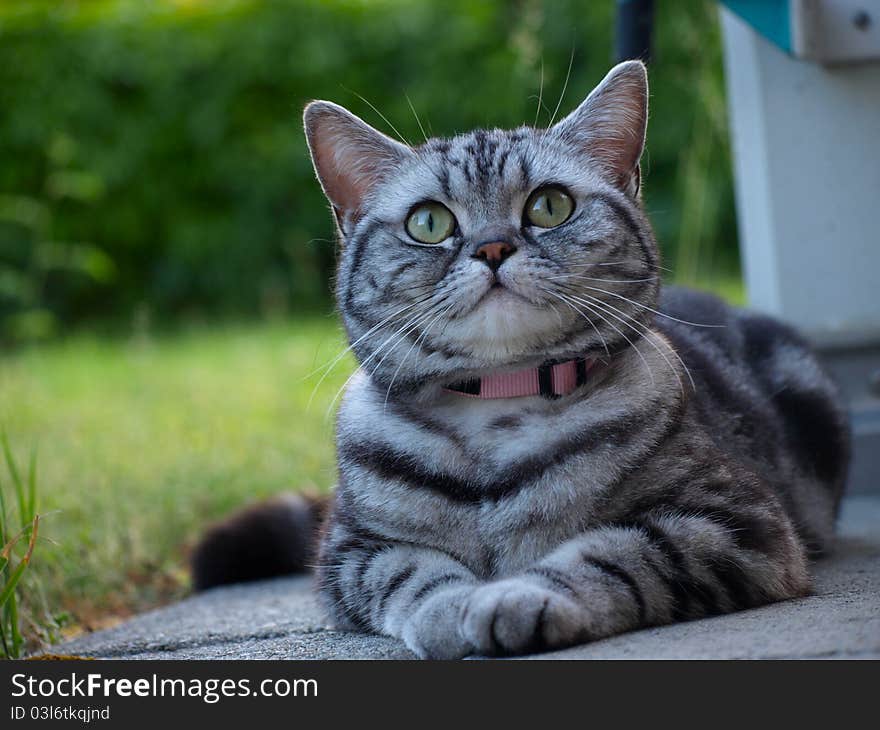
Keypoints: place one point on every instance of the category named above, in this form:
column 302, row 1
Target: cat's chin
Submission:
column 503, row 325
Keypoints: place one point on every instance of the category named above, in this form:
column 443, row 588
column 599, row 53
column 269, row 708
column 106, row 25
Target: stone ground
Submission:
column 280, row 619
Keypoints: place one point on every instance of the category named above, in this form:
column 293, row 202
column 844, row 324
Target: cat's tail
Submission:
column 272, row 538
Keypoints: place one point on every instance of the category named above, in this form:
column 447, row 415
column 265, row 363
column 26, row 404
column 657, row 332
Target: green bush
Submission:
column 152, row 163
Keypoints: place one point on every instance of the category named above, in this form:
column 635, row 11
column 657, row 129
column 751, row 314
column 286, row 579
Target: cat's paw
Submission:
column 432, row 632
column 515, row 616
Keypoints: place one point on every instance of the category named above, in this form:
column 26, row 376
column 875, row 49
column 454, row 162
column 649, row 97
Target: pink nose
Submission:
column 493, row 254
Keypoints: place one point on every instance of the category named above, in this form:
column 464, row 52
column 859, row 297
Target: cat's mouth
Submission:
column 495, row 290
column 498, row 299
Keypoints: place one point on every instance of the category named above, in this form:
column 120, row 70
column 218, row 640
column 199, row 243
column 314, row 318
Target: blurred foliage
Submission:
column 152, row 164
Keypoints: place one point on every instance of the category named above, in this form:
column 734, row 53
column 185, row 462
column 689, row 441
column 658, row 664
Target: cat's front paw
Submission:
column 515, row 616
column 432, row 632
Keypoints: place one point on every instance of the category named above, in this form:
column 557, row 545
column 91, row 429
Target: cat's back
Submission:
column 760, row 390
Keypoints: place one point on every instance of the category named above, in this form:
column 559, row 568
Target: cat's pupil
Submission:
column 431, row 222
column 548, row 204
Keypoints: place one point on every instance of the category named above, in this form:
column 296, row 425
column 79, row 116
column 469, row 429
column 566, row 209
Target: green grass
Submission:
column 142, row 442
column 19, row 529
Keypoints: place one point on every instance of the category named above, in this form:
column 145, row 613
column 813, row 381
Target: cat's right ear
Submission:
column 610, row 124
column 350, row 158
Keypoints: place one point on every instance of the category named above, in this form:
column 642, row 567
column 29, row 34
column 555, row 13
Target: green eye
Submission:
column 430, row 223
column 549, row 207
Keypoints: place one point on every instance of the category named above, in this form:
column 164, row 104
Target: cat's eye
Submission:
column 430, row 223
column 548, row 207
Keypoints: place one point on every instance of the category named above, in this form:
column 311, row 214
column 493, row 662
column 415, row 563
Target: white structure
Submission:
column 806, row 144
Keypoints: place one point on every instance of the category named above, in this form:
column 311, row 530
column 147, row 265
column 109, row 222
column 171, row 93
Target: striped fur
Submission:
column 692, row 474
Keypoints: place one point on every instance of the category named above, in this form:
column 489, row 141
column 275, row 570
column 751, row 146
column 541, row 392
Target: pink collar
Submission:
column 551, row 380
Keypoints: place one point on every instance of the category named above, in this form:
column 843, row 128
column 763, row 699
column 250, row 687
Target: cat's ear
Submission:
column 350, row 157
column 610, row 124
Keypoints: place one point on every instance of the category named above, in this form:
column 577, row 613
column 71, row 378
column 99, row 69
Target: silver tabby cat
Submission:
column 692, row 471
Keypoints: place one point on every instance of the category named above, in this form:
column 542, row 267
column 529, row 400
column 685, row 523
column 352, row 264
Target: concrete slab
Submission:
column 281, row 619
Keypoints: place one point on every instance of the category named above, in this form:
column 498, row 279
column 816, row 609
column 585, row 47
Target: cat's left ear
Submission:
column 610, row 124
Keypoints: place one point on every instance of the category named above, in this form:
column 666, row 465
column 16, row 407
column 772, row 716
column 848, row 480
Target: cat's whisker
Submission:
column 639, row 327
column 631, row 261
column 338, row 358
column 540, row 93
column 638, row 352
column 407, row 322
column 339, row 392
column 423, row 334
column 381, row 115
column 415, row 114
column 594, row 278
column 394, row 338
column 654, row 311
column 642, row 331
column 410, row 324
column 650, row 333
column 633, row 269
column 366, row 334
column 628, row 340
column 582, row 315
column 564, row 88
column 419, row 320
column 556, row 312
column 328, row 368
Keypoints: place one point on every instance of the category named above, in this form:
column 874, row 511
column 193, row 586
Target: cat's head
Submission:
column 494, row 249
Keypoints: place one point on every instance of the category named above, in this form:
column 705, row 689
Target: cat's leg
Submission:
column 397, row 589
column 658, row 567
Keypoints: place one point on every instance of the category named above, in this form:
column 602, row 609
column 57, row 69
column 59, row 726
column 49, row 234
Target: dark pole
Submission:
column 635, row 21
